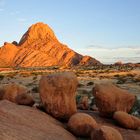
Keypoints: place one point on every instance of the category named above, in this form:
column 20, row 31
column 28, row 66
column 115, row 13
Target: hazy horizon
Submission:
column 104, row 29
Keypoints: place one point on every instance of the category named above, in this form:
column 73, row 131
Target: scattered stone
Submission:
column 24, row 99
column 83, row 103
column 126, row 120
column 81, row 124
column 94, row 108
column 106, row 133
column 110, row 99
column 57, row 92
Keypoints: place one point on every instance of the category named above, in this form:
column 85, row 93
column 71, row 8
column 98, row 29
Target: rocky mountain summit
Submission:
column 40, row 47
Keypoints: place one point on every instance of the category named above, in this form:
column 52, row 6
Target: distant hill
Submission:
column 40, row 47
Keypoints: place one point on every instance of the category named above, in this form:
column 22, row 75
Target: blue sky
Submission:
column 108, row 30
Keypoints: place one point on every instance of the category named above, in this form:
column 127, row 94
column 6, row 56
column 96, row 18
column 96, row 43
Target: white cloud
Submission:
column 14, row 13
column 22, row 19
column 111, row 55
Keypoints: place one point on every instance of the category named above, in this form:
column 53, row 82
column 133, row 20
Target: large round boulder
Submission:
column 105, row 133
column 126, row 120
column 110, row 99
column 81, row 124
column 57, row 92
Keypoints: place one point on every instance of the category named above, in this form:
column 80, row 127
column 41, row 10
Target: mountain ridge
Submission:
column 40, row 47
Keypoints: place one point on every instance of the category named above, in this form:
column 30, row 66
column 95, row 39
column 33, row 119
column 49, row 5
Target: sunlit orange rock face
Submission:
column 7, row 54
column 40, row 47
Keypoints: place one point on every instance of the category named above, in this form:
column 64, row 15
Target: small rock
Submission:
column 81, row 124
column 24, row 99
column 126, row 120
column 106, row 133
column 83, row 103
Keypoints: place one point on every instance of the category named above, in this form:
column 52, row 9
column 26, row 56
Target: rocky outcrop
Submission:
column 16, row 93
column 40, row 47
column 126, row 120
column 26, row 123
column 81, row 124
column 57, row 92
column 7, row 54
column 110, row 99
column 106, row 133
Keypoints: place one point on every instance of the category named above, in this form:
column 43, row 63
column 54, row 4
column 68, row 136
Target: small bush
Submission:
column 121, row 80
column 35, row 89
column 90, row 83
column 1, row 77
column 136, row 108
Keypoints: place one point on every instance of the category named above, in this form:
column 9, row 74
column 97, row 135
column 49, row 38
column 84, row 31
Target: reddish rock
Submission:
column 57, row 92
column 110, row 99
column 106, row 133
column 119, row 63
column 40, row 47
column 128, row 134
column 126, row 120
column 26, row 123
column 10, row 91
column 7, row 54
column 89, row 61
column 83, row 103
column 81, row 124
column 24, row 99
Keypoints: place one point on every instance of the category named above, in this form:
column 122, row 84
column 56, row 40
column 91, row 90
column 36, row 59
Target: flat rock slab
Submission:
column 26, row 123
column 126, row 133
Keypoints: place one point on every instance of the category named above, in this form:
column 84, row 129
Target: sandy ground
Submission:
column 129, row 80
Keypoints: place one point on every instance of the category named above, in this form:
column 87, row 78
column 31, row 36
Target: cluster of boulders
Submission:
column 58, row 92
column 16, row 93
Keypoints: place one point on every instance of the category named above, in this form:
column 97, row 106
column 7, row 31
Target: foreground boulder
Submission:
column 106, row 133
column 126, row 120
column 57, row 92
column 26, row 123
column 127, row 134
column 81, row 124
column 110, row 99
column 16, row 93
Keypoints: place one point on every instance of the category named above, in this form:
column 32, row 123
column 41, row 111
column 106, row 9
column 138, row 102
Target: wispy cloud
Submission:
column 13, row 13
column 111, row 55
column 22, row 19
